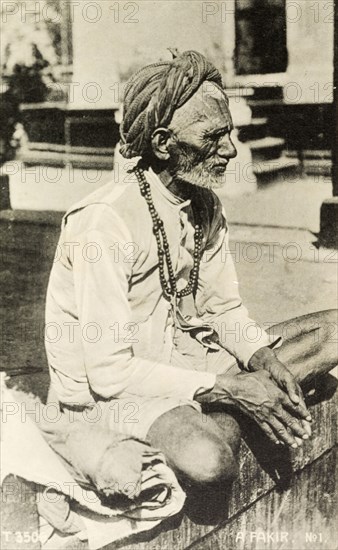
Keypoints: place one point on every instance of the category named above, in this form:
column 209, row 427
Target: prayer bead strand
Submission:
column 169, row 287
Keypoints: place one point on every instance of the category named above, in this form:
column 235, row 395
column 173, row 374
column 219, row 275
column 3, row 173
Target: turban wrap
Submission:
column 154, row 93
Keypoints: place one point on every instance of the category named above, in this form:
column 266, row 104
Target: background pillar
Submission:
column 329, row 209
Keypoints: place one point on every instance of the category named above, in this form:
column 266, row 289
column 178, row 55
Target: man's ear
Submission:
column 159, row 143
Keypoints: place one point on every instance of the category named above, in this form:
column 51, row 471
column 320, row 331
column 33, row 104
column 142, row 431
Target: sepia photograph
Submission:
column 169, row 274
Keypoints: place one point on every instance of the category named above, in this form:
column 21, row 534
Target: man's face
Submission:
column 202, row 145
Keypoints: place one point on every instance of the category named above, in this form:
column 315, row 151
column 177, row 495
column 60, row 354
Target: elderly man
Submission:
column 137, row 256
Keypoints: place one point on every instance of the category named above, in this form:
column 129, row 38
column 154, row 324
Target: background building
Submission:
column 67, row 62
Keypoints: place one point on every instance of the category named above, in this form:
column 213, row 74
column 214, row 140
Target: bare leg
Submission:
column 310, row 345
column 309, row 349
column 202, row 449
column 196, row 447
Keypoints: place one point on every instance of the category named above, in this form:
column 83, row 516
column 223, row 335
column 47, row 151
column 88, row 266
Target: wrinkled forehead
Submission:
column 208, row 105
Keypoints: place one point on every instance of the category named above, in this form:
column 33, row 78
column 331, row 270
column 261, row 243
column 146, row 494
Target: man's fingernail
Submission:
column 307, row 427
column 305, row 436
column 277, row 442
column 294, row 445
column 309, row 418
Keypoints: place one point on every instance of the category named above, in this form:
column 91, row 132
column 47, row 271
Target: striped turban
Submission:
column 154, row 93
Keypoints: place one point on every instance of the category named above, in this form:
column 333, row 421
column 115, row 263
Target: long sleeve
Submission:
column 101, row 282
column 218, row 300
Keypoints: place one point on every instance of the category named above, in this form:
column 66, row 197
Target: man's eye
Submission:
column 219, row 135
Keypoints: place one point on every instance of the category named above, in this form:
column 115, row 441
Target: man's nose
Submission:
column 226, row 148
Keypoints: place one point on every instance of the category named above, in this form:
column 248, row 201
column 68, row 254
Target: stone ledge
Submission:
column 30, row 232
column 272, row 484
column 300, row 518
column 38, row 217
column 260, row 512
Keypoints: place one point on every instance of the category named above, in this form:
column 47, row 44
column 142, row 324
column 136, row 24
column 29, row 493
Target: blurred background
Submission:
column 64, row 64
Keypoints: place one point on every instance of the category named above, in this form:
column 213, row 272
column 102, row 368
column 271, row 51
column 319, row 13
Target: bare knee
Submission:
column 208, row 461
column 229, row 429
column 198, row 454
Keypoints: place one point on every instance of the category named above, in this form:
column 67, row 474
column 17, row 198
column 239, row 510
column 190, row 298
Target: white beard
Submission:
column 200, row 175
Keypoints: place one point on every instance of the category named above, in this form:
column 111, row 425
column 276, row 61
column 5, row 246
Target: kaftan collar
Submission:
column 156, row 183
column 153, row 179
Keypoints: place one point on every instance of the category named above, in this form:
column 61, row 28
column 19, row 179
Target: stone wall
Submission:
column 116, row 38
column 127, row 35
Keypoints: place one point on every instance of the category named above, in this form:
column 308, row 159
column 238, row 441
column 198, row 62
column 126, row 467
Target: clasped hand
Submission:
column 257, row 395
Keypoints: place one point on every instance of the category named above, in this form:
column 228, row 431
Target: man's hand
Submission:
column 265, row 358
column 258, row 396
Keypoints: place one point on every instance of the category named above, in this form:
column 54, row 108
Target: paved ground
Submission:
column 285, row 202
column 281, row 272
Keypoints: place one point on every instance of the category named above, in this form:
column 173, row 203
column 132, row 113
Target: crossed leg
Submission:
column 202, row 449
column 310, row 346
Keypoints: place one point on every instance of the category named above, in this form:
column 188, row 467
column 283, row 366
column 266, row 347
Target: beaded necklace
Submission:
column 169, row 287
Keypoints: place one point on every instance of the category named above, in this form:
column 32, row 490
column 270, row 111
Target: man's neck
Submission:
column 177, row 187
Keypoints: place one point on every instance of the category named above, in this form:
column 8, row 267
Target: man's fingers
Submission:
column 299, row 410
column 295, row 394
column 289, row 429
column 307, row 427
column 282, row 433
column 288, row 383
column 292, row 389
column 303, row 406
column 294, row 425
column 269, row 432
